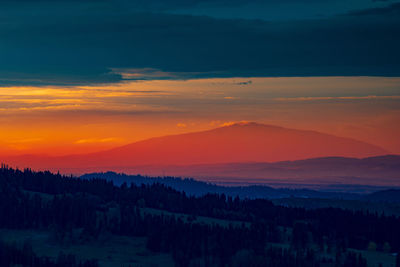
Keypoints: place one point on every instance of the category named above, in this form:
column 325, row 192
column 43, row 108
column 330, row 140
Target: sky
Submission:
column 83, row 76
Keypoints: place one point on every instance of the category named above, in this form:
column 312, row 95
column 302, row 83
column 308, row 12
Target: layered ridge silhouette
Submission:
column 238, row 143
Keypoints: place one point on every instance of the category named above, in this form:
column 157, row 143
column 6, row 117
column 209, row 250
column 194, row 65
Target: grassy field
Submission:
column 375, row 258
column 115, row 251
column 195, row 219
column 110, row 250
column 310, row 203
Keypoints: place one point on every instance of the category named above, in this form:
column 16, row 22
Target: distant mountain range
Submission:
column 242, row 153
column 380, row 170
column 199, row 188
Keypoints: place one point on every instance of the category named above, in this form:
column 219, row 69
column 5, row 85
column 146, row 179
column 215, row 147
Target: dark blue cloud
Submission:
column 392, row 9
column 83, row 43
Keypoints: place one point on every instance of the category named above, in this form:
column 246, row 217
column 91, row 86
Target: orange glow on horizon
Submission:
column 83, row 119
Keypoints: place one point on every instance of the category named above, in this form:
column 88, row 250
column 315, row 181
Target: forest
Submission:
column 254, row 232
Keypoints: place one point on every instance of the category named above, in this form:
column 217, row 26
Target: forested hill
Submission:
column 211, row 230
column 199, row 188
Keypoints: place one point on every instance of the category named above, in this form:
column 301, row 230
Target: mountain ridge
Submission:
column 239, row 151
column 243, row 142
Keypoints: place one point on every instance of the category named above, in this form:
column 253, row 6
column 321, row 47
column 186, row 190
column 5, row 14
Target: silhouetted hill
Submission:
column 199, row 188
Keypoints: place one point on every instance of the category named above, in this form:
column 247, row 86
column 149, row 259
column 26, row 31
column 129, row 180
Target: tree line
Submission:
column 63, row 204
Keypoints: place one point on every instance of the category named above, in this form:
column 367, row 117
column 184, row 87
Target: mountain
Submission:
column 236, row 151
column 242, row 142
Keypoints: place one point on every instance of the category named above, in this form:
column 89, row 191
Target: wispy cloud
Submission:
column 25, row 140
column 230, row 123
column 144, row 74
column 181, row 125
column 107, row 98
column 323, row 98
column 97, row 140
column 244, row 83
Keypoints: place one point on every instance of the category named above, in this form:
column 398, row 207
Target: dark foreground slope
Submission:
column 212, row 230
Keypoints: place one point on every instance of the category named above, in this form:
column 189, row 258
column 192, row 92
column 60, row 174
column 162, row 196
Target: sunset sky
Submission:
column 83, row 76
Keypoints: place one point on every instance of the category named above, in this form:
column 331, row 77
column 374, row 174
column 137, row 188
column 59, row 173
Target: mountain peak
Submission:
column 235, row 142
column 241, row 141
